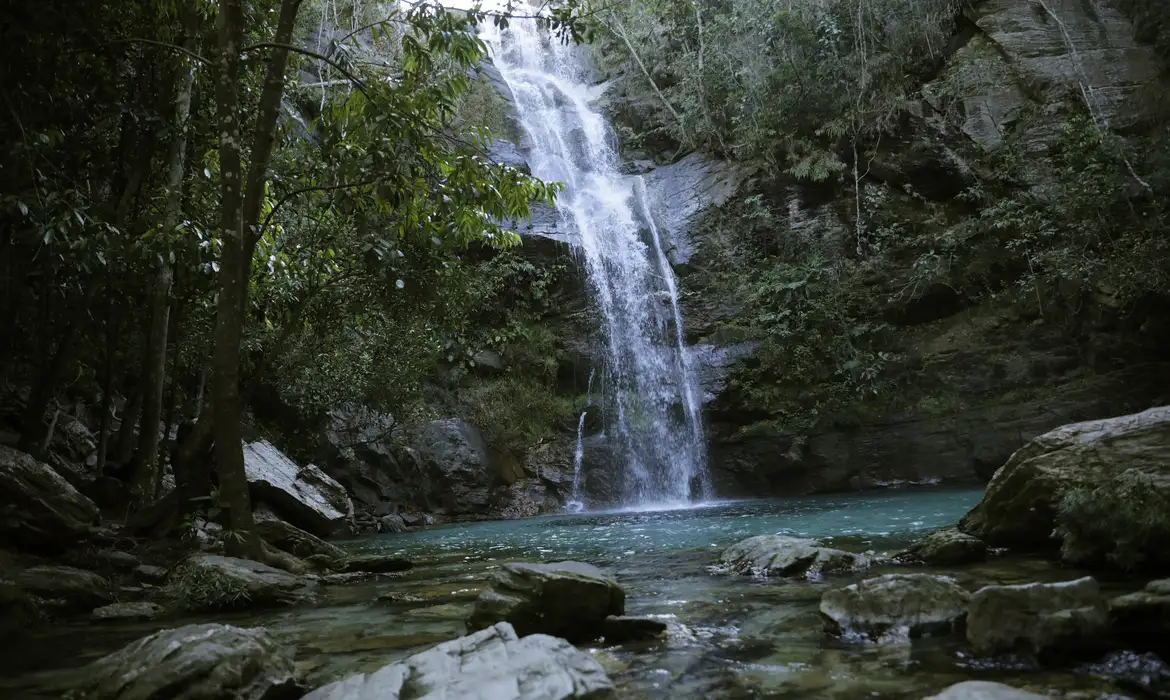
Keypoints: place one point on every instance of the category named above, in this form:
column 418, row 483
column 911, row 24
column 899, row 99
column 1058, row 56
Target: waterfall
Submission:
column 651, row 406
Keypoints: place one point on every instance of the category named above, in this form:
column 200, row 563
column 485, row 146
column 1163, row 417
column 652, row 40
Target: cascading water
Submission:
column 651, row 405
column 576, row 502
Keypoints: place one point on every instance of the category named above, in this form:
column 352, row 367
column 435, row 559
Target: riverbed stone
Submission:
column 376, row 564
column 305, row 496
column 1020, row 505
column 142, row 610
column 491, row 664
column 213, row 582
column 895, row 607
column 43, row 510
column 781, row 555
column 148, row 573
column 984, row 690
column 566, row 599
column 619, row 629
column 70, row 588
column 196, row 662
column 1044, row 620
column 391, row 523
column 948, row 547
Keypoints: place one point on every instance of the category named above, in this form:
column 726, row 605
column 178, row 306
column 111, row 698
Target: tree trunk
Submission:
column 229, row 311
column 145, row 465
column 239, row 215
column 108, row 384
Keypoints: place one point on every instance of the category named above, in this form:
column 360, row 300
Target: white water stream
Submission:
column 651, row 403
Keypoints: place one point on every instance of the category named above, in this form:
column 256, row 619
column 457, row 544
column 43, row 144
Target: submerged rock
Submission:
column 128, row 611
column 196, row 662
column 984, row 690
column 1020, row 505
column 43, row 511
column 492, row 663
column 947, row 547
column 308, row 497
column 1142, row 620
column 565, row 599
column 376, row 564
column 212, row 582
column 1144, row 673
column 620, row 629
column 780, row 555
column 1044, row 620
column 896, row 606
column 74, row 589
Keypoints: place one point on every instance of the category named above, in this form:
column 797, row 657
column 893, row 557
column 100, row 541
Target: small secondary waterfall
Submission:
column 652, row 407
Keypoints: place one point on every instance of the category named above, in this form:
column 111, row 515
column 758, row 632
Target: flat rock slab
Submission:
column 492, row 664
column 1057, row 620
column 78, row 589
column 291, row 538
column 781, row 555
column 212, row 582
column 896, row 607
column 196, row 662
column 128, row 611
column 306, row 496
column 565, row 599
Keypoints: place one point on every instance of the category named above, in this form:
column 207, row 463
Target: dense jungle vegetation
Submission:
column 211, row 208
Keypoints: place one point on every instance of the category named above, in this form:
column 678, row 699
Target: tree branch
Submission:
column 311, row 54
column 163, row 44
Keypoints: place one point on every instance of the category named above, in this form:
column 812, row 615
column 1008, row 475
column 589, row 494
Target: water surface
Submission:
column 729, row 637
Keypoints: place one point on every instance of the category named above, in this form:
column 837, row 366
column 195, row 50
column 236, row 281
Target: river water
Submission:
column 729, row 637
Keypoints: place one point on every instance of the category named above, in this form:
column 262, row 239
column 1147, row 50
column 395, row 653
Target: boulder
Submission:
column 360, row 453
column 391, row 523
column 376, row 564
column 985, row 690
column 896, row 607
column 619, row 629
column 291, row 539
column 491, row 663
column 127, row 611
column 73, row 589
column 1020, row 505
column 781, row 555
column 196, row 662
column 306, row 496
column 947, row 547
column 42, row 510
column 212, row 582
column 1043, row 620
column 565, row 599
column 458, row 458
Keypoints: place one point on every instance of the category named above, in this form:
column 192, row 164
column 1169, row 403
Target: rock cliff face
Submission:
column 981, row 376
